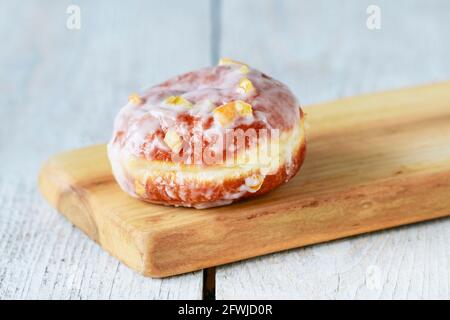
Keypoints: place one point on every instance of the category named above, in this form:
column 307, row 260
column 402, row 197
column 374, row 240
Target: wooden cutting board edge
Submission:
column 144, row 251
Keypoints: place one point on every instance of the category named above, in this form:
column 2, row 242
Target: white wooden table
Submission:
column 60, row 89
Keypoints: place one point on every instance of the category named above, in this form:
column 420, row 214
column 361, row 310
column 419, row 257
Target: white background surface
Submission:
column 60, row 89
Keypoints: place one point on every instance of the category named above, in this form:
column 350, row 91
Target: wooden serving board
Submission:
column 373, row 162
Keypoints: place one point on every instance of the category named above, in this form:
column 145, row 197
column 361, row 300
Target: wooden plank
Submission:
column 373, row 162
column 46, row 257
column 60, row 89
column 324, row 51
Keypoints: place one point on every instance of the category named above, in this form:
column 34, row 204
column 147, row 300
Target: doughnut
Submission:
column 208, row 138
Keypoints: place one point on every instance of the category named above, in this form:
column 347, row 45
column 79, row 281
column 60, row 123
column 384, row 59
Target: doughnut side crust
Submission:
column 199, row 187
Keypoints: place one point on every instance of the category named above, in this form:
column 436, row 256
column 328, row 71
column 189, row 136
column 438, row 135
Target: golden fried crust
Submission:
column 208, row 194
column 205, row 194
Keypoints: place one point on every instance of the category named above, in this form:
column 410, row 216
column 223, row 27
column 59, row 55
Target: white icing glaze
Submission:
column 139, row 128
column 273, row 107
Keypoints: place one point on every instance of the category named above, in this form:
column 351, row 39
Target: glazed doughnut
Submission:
column 208, row 138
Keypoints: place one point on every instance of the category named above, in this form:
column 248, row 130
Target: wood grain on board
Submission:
column 373, row 162
column 60, row 89
column 324, row 51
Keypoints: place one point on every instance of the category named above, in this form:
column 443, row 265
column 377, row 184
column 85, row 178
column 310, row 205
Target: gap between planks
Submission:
column 209, row 274
column 216, row 30
column 209, row 284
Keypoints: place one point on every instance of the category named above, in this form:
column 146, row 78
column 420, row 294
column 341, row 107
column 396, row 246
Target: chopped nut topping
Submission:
column 225, row 114
column 179, row 101
column 244, row 69
column 244, row 109
column 139, row 187
column 228, row 112
column 228, row 61
column 136, row 99
column 173, row 140
column 254, row 182
column 245, row 86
